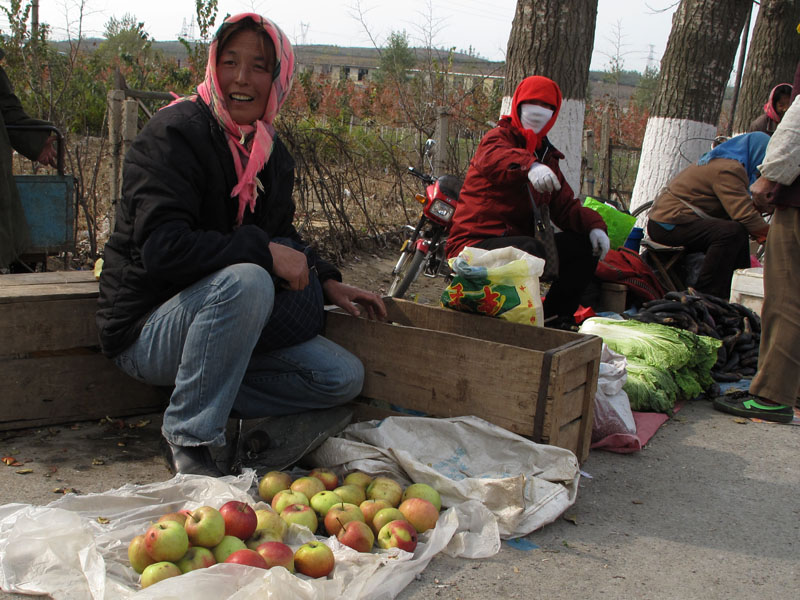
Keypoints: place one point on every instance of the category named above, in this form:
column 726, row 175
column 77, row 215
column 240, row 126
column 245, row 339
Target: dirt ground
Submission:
column 708, row 509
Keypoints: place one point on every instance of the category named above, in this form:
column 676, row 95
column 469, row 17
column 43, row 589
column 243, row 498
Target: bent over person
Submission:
column 206, row 285
column 514, row 166
column 707, row 208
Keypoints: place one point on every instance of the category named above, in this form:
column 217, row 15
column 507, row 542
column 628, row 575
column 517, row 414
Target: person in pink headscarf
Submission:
column 207, row 286
column 774, row 109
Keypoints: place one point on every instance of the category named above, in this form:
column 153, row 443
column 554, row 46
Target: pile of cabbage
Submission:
column 665, row 364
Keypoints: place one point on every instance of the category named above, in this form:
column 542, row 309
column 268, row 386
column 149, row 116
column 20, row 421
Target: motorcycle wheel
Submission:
column 407, row 275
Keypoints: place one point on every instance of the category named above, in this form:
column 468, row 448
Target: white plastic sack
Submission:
column 612, row 408
column 76, row 547
column 502, row 283
column 525, row 485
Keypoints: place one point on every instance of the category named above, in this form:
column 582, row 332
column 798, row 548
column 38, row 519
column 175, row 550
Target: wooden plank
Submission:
column 48, row 278
column 569, row 437
column 569, row 406
column 587, row 419
column 75, row 387
column 53, row 291
column 49, row 325
column 477, row 326
column 442, row 374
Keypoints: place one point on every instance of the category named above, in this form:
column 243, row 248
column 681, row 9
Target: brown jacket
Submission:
column 719, row 188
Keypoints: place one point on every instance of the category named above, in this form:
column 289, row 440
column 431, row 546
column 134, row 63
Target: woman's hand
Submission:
column 762, row 192
column 345, row 296
column 600, row 243
column 48, row 155
column 543, row 179
column 290, row 265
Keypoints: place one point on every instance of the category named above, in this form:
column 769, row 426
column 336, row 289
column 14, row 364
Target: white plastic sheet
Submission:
column 495, row 483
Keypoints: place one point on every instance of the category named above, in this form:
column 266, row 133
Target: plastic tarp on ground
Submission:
column 495, row 483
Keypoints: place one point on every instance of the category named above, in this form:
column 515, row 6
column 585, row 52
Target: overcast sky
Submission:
column 634, row 27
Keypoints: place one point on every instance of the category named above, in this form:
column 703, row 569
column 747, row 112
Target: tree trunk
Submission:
column 694, row 74
column 554, row 38
column 772, row 59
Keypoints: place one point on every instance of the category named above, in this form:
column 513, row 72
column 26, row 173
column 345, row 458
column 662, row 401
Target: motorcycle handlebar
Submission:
column 423, row 176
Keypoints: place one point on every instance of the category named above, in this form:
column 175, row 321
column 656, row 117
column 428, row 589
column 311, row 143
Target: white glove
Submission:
column 543, row 178
column 600, row 243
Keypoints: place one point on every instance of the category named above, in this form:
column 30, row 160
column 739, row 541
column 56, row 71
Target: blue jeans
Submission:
column 201, row 341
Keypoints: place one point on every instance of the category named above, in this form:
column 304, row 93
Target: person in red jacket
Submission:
column 515, row 163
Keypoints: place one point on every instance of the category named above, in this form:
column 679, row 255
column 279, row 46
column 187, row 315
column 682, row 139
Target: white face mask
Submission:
column 534, row 117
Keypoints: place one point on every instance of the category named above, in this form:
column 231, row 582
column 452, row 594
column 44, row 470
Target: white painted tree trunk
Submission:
column 669, row 146
column 567, row 136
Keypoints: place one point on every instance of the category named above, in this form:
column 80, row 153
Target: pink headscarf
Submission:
column 250, row 152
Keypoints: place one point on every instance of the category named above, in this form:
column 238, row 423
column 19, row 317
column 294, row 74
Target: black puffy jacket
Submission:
column 176, row 220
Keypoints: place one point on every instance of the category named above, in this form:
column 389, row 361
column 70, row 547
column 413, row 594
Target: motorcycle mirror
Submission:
column 429, row 144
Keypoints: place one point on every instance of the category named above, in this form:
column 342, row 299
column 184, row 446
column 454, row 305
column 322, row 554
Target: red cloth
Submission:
column 647, row 424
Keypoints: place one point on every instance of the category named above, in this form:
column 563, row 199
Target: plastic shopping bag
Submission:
column 612, row 408
column 501, row 283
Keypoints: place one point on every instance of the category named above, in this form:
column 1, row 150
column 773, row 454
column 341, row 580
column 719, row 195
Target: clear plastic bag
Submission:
column 612, row 409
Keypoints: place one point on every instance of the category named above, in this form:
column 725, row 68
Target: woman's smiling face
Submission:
column 244, row 71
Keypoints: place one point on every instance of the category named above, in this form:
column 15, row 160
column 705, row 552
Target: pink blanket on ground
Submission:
column 647, row 423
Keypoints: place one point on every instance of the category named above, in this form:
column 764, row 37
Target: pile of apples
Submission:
column 361, row 512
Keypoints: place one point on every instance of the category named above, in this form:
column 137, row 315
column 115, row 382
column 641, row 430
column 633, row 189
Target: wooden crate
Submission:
column 536, row 382
column 51, row 368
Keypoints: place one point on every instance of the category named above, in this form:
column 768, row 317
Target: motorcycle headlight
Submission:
column 442, row 210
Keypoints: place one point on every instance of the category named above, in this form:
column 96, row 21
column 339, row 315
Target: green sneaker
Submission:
column 750, row 407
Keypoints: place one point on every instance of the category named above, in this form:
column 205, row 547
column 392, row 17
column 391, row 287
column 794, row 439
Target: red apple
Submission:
column 340, row 514
column 228, row 545
column 166, row 541
column 277, row 554
column 286, row 497
column 322, row 502
column 420, row 513
column 205, row 527
column 424, row 491
column 301, row 514
column 196, row 557
column 386, row 488
column 240, row 519
column 326, row 476
column 358, row 478
column 138, row 556
column 351, row 493
column 272, row 483
column 398, row 534
column 307, row 485
column 383, row 516
column 158, row 572
column 247, row 557
column 369, row 509
column 357, row 535
column 314, row 559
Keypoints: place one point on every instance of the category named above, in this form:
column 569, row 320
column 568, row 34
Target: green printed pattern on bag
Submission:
column 480, row 296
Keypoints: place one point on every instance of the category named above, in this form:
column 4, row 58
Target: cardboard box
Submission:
column 536, row 382
column 747, row 288
column 51, row 368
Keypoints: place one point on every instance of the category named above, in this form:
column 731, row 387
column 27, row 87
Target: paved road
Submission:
column 710, row 509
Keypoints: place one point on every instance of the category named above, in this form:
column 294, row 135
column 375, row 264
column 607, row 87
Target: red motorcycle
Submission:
column 423, row 251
